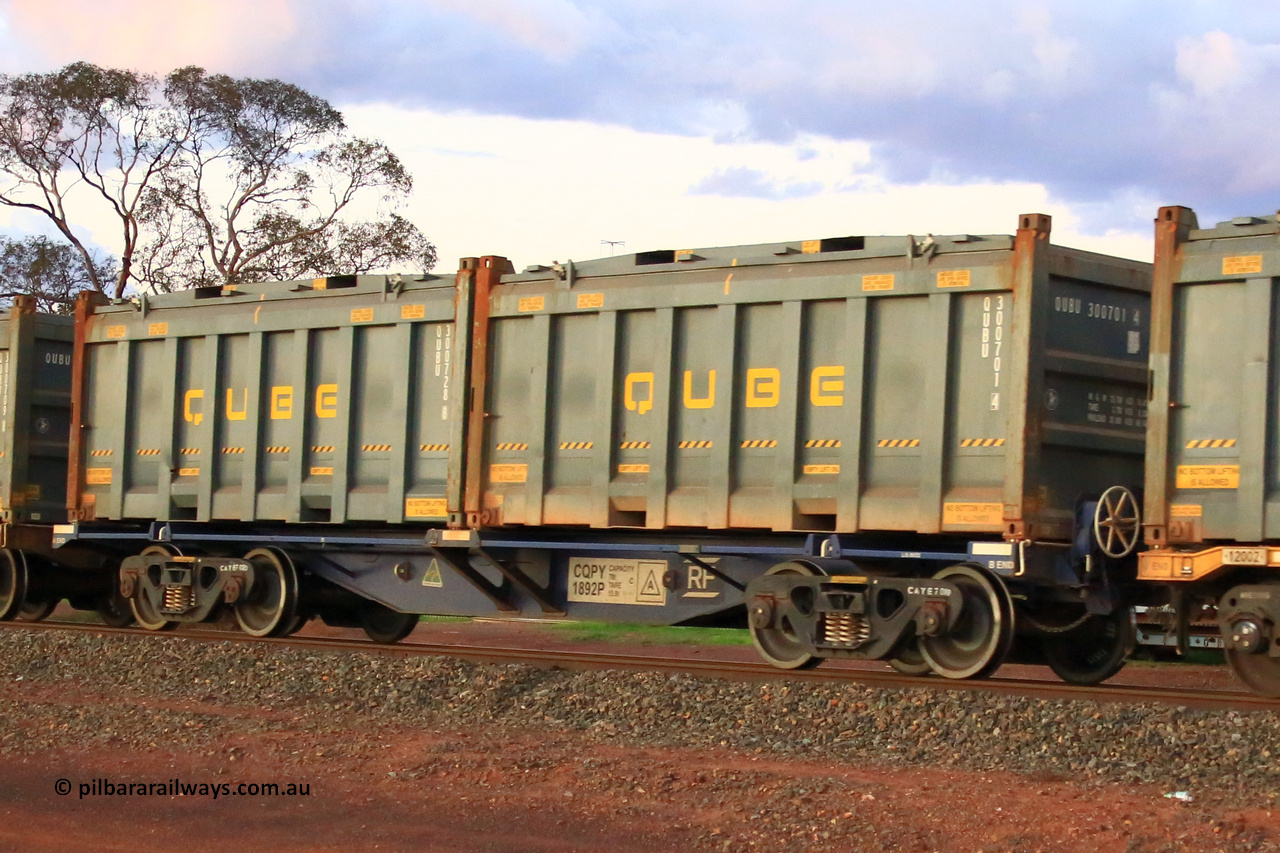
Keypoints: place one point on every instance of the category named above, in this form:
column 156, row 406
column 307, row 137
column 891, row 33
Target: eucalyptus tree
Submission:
column 86, row 135
column 211, row 179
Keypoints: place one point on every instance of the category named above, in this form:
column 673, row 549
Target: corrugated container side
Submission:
column 329, row 401
column 35, row 421
column 1214, row 443
column 874, row 384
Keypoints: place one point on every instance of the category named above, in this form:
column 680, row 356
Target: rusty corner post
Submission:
column 1173, row 226
column 463, row 309
column 1030, row 294
column 20, row 367
column 86, row 302
column 488, row 273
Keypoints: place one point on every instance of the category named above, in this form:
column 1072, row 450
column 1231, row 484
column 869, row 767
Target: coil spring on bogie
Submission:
column 845, row 629
column 177, row 598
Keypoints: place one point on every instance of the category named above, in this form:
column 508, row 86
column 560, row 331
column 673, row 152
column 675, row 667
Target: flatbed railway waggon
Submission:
column 917, row 449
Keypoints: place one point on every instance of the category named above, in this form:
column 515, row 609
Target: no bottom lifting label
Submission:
column 608, row 581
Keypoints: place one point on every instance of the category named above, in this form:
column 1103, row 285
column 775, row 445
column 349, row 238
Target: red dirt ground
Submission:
column 543, row 791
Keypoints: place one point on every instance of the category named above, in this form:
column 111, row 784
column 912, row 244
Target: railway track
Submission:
column 725, row 669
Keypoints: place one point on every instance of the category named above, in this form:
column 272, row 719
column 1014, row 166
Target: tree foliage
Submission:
column 51, row 272
column 213, row 179
column 85, row 126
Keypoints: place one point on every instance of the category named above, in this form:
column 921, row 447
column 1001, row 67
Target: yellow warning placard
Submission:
column 361, row 315
column 97, row 476
column 115, row 332
column 633, row 469
column 973, row 513
column 1208, row 477
column 877, row 282
column 508, row 473
column 1241, row 264
column 604, row 580
column 590, row 300
column 811, row 247
column 1185, row 511
column 425, row 508
column 322, row 472
column 953, row 278
column 157, row 329
column 531, row 303
column 413, row 312
column 822, row 469
column 188, row 472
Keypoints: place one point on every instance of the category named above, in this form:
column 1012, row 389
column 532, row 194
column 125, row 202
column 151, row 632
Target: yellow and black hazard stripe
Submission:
column 898, row 442
column 634, row 445
column 982, row 442
column 278, row 448
column 694, row 445
column 233, row 450
column 1203, row 443
column 99, row 452
column 513, row 446
column 576, row 445
column 150, row 451
column 375, row 448
column 322, row 448
column 189, row 451
column 822, row 442
column 760, row 442
column 432, row 448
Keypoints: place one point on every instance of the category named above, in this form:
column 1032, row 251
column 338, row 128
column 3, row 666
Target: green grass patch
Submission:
column 651, row 635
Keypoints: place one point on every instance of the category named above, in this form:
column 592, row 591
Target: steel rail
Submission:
column 721, row 669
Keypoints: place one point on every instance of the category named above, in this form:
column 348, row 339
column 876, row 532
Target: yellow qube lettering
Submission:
column 764, row 387
column 634, row 379
column 826, row 386
column 192, row 417
column 691, row 402
column 281, row 402
column 327, row 401
column 232, row 413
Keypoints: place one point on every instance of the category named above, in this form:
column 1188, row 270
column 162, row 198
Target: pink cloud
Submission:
column 225, row 36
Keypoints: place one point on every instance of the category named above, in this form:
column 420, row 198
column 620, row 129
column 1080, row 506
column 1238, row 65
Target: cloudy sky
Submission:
column 540, row 128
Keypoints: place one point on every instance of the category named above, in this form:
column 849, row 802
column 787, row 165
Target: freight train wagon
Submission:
column 1212, row 500
column 35, row 424
column 870, row 447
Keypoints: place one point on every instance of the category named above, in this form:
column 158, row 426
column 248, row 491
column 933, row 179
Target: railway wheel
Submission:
column 384, row 625
column 271, row 606
column 774, row 634
column 293, row 627
column 35, row 611
column 1249, row 652
column 976, row 645
column 144, row 612
column 13, row 583
column 1094, row 651
column 910, row 660
column 1259, row 671
column 113, row 608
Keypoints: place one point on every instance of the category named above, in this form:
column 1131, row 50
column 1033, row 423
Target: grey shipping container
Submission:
column 1214, row 470
column 965, row 384
column 326, row 401
column 35, row 421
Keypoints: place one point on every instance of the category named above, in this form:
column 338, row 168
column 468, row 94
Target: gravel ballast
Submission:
column 1229, row 753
